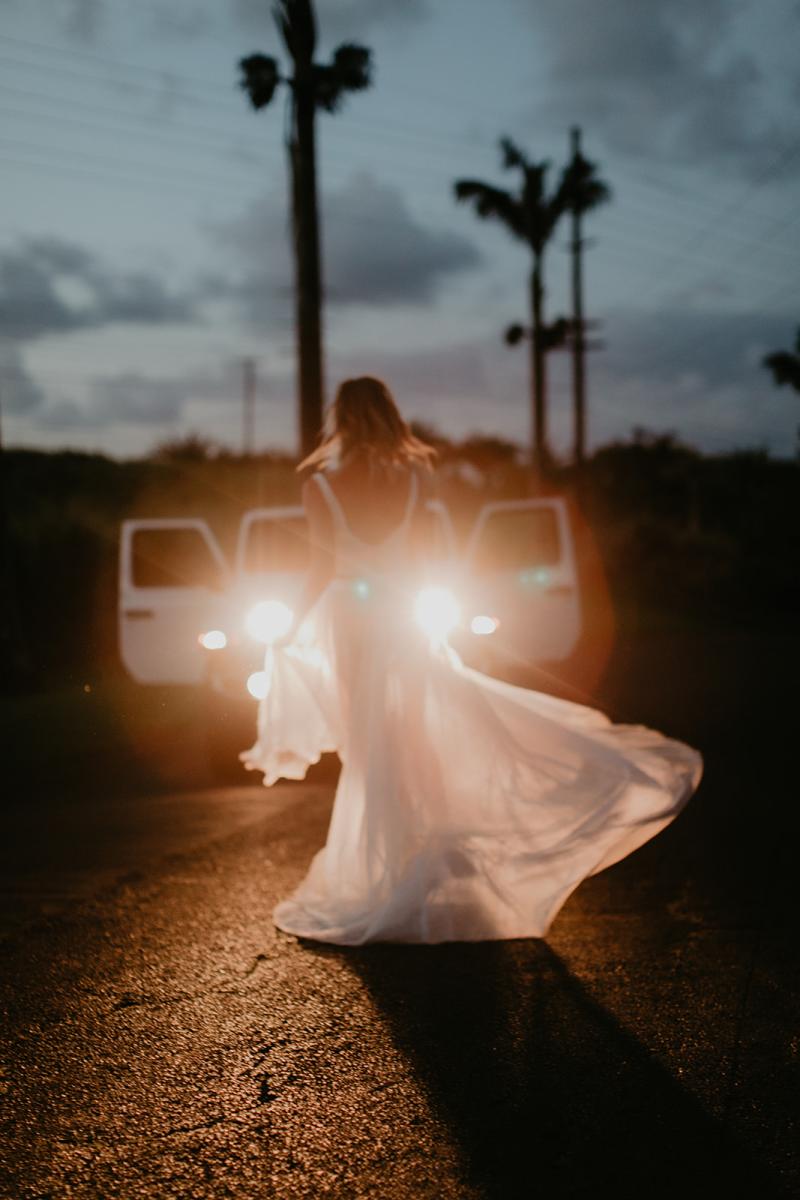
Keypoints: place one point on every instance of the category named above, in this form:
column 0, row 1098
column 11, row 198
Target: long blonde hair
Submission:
column 364, row 418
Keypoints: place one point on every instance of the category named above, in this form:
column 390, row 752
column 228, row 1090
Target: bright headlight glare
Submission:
column 213, row 639
column 437, row 611
column 268, row 620
column 483, row 625
column 257, row 685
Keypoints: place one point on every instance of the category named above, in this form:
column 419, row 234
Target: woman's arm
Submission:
column 321, row 559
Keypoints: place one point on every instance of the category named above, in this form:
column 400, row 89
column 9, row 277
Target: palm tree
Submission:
column 530, row 215
column 582, row 191
column 785, row 368
column 312, row 86
column 785, row 365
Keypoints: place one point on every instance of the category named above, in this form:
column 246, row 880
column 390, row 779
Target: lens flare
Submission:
column 213, row 639
column 532, row 577
column 257, row 685
column 483, row 625
column 437, row 611
column 269, row 620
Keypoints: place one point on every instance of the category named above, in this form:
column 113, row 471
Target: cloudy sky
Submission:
column 143, row 229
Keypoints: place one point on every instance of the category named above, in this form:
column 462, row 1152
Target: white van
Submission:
column 183, row 608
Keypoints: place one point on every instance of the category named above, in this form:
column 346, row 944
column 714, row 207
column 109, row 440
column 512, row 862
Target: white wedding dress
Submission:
column 467, row 808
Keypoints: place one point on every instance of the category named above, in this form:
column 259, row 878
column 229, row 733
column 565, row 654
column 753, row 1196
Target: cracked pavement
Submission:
column 163, row 1039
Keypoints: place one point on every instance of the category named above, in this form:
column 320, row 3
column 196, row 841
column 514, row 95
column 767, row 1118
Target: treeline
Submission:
column 683, row 537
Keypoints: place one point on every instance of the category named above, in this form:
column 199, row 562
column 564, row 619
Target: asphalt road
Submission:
column 162, row 1039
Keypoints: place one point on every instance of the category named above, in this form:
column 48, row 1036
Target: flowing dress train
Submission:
column 467, row 808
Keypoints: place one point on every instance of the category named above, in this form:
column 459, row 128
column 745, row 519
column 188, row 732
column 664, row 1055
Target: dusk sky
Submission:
column 143, row 232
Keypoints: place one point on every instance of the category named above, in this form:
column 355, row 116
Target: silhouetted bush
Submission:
column 684, row 537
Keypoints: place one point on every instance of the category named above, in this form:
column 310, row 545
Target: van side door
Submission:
column 172, row 583
column 522, row 572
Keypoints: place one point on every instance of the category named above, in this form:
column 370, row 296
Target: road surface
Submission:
column 162, row 1039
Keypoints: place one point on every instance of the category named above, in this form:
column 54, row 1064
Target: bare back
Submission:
column 373, row 501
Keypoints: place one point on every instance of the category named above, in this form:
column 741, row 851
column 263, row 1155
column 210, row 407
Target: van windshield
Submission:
column 277, row 544
column 512, row 540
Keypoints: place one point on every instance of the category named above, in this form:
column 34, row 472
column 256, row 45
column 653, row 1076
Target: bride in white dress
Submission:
column 466, row 808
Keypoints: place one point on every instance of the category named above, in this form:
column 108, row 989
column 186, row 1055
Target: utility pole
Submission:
column 578, row 328
column 248, row 406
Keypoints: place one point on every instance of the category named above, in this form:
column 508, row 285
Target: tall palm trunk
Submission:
column 578, row 343
column 538, row 368
column 308, row 291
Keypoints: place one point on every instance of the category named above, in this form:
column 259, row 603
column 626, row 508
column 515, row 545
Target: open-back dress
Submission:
column 467, row 808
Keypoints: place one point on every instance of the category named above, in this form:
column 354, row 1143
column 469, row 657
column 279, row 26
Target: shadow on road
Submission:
column 543, row 1091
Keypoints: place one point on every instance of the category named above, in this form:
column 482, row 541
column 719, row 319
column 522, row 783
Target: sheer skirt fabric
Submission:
column 467, row 808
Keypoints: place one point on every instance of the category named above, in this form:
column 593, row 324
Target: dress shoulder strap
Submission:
column 413, row 491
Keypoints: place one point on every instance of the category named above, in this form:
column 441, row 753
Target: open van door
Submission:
column 172, row 582
column 273, row 543
column 522, row 574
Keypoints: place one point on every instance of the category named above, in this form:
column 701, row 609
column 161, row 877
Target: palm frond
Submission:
column 348, row 71
column 352, row 65
column 533, row 189
column 259, row 78
column 512, row 155
column 580, row 188
column 490, row 201
column 542, row 212
column 785, row 368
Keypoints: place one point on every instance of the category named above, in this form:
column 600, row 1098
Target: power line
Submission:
column 160, row 173
column 132, row 123
column 255, row 166
column 59, row 51
column 110, row 82
column 272, row 158
column 382, row 131
column 112, row 175
column 157, row 169
column 735, row 205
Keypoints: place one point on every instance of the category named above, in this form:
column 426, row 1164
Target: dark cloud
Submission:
column 697, row 373
column 717, row 348
column 375, row 252
column 136, row 399
column 664, row 79
column 453, row 371
column 378, row 253
column 64, row 416
column 21, row 395
column 48, row 286
column 131, row 398
column 125, row 399
column 82, row 19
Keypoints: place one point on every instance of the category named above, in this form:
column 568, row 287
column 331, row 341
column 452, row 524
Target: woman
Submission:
column 467, row 808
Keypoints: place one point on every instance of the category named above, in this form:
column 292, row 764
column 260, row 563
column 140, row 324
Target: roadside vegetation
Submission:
column 685, row 538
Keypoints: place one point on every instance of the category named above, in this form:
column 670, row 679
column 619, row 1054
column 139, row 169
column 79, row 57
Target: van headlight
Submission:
column 483, row 625
column 213, row 639
column 258, row 685
column 269, row 620
column 437, row 611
